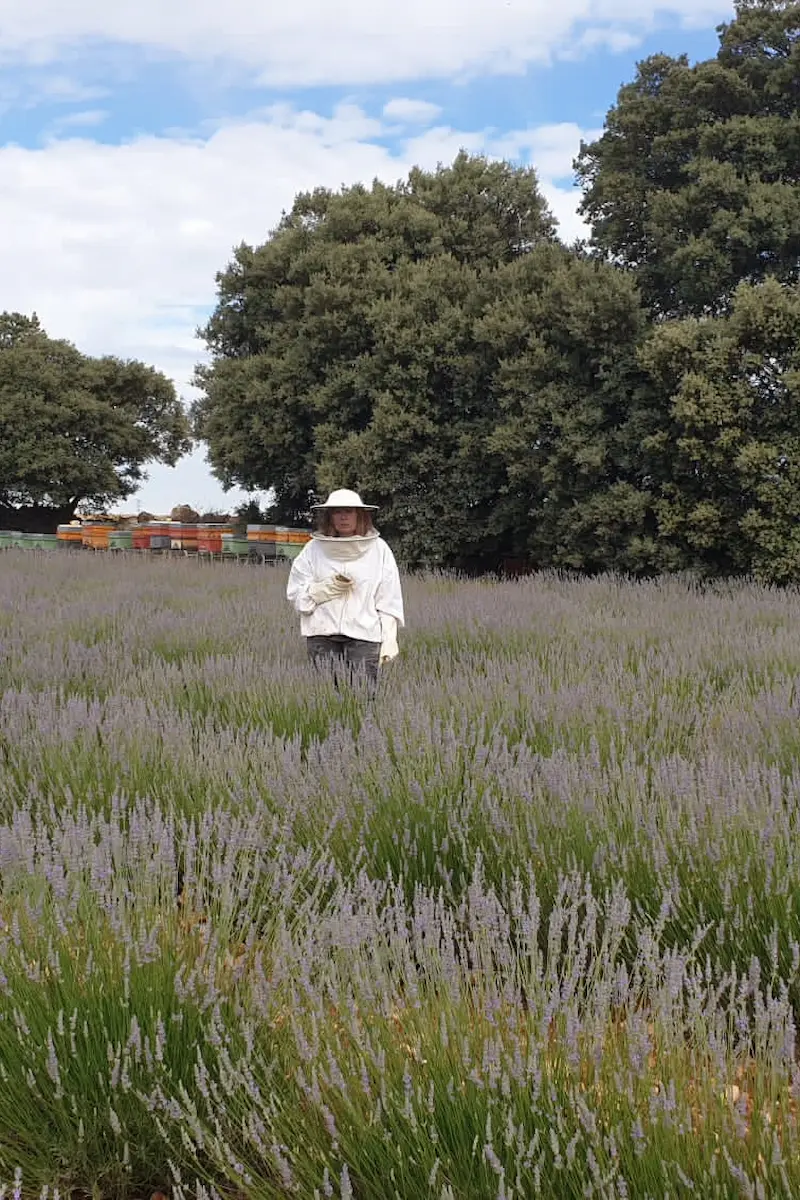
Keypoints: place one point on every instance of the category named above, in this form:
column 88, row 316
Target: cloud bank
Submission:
column 313, row 42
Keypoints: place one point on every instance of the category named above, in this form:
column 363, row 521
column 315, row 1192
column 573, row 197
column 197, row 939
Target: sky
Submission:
column 141, row 140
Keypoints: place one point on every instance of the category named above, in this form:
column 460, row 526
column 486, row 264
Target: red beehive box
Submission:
column 209, row 538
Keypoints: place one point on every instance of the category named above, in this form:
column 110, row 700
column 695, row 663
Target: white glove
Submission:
column 329, row 589
column 389, row 646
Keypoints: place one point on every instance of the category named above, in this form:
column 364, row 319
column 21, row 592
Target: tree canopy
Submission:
column 694, row 183
column 694, row 188
column 380, row 338
column 724, row 460
column 75, row 428
column 295, row 328
column 496, row 422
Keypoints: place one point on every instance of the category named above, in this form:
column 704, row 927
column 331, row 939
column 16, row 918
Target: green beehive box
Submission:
column 121, row 539
column 6, row 538
column 288, row 550
column 234, row 545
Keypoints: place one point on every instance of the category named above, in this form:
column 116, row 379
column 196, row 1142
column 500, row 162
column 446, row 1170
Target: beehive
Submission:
column 95, row 534
column 70, row 535
column 235, row 545
column 209, row 538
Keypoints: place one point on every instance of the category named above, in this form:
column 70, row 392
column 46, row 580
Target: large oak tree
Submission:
column 429, row 343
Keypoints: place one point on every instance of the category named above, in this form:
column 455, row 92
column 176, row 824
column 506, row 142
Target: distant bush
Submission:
column 184, row 513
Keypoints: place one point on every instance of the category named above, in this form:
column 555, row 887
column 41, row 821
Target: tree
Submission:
column 694, row 183
column 725, row 463
column 422, row 452
column 504, row 416
column 435, row 347
column 571, row 405
column 294, row 334
column 75, row 428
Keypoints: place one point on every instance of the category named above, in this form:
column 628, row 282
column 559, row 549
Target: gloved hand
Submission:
column 389, row 646
column 331, row 588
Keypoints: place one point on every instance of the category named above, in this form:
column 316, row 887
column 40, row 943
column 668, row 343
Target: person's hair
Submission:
column 364, row 523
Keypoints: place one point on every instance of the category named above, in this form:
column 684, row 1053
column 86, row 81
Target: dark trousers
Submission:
column 349, row 658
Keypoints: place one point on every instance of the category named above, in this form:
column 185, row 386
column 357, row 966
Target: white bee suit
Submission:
column 371, row 610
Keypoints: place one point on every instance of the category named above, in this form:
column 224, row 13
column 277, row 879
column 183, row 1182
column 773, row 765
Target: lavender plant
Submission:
column 528, row 924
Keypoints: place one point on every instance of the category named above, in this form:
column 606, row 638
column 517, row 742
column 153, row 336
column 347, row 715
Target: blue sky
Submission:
column 139, row 142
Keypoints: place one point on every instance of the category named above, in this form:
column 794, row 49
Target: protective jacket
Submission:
column 357, row 612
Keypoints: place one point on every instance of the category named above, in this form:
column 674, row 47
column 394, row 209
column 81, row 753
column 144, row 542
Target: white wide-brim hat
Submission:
column 344, row 498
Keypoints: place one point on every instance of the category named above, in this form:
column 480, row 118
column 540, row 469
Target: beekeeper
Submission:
column 346, row 587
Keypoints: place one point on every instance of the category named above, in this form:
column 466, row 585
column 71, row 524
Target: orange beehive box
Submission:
column 261, row 533
column 72, row 534
column 95, row 534
column 278, row 533
column 209, row 538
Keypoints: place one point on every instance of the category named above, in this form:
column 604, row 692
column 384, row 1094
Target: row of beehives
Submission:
column 271, row 543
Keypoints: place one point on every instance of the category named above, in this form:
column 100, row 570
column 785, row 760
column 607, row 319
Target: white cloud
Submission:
column 411, row 112
column 342, row 41
column 596, row 38
column 63, row 89
column 551, row 148
column 116, row 246
column 85, row 119
column 30, row 89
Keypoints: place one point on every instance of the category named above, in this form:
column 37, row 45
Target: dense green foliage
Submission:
column 434, row 345
column 727, row 456
column 693, row 189
column 75, row 428
column 311, row 338
column 694, row 183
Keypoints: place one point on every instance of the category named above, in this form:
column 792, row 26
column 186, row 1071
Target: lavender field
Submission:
column 528, row 925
